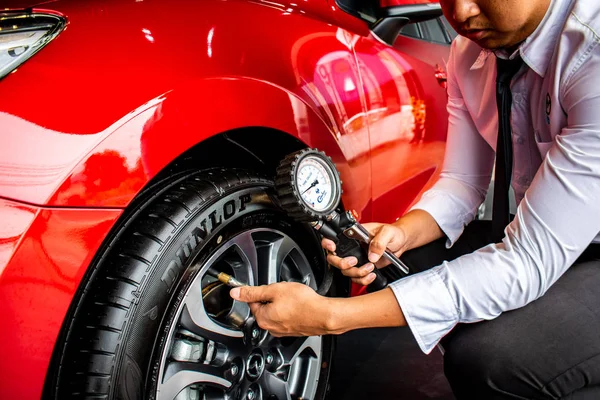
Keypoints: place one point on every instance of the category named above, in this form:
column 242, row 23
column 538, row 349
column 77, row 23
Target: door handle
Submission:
column 441, row 76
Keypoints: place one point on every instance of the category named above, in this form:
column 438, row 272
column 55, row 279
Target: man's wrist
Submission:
column 373, row 310
column 419, row 228
column 334, row 312
column 408, row 242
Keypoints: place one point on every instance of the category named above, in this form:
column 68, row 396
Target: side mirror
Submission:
column 388, row 29
column 393, row 19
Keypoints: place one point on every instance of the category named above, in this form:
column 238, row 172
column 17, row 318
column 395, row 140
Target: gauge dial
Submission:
column 308, row 185
column 315, row 183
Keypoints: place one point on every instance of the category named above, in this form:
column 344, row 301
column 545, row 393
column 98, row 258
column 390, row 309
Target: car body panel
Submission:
column 92, row 102
column 141, row 148
column 393, row 3
column 43, row 258
column 404, row 126
column 17, row 4
column 124, row 91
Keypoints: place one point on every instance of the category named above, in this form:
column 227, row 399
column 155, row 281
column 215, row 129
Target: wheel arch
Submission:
column 250, row 122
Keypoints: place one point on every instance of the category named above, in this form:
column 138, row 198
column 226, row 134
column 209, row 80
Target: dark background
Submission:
column 386, row 364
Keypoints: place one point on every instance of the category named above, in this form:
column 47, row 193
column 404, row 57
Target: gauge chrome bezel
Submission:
column 332, row 174
column 287, row 189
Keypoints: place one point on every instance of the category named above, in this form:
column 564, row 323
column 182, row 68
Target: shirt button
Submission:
column 520, row 140
column 517, row 98
column 524, row 180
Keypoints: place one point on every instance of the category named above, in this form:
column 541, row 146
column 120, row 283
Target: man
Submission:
column 533, row 285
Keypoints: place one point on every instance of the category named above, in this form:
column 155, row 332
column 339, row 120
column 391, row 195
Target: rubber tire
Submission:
column 113, row 343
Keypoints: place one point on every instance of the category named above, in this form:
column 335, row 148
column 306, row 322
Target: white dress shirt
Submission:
column 556, row 174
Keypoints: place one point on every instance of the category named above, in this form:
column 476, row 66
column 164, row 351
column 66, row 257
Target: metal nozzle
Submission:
column 229, row 280
column 225, row 278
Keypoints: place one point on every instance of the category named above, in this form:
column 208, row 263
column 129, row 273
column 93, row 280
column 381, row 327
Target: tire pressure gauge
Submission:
column 308, row 185
column 309, row 189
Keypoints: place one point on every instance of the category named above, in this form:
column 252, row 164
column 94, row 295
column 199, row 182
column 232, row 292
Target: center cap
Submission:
column 255, row 365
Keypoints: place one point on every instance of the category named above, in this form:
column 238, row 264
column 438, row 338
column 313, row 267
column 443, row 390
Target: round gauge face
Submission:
column 316, row 184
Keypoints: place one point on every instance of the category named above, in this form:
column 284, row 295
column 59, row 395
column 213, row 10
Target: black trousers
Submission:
column 549, row 349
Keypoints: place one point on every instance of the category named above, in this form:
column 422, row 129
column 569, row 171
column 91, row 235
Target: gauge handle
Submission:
column 347, row 247
column 359, row 232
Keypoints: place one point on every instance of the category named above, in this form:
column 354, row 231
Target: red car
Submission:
column 138, row 145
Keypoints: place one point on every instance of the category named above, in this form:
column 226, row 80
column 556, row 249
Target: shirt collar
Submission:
column 538, row 48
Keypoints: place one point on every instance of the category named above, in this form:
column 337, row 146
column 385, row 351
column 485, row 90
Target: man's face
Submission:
column 495, row 24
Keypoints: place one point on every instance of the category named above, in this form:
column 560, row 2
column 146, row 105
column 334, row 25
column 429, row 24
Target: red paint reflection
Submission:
column 37, row 287
column 103, row 177
column 14, row 221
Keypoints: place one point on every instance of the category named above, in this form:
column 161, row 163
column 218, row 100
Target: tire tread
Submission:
column 95, row 335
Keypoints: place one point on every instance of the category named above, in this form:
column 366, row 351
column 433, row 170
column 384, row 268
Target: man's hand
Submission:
column 387, row 236
column 287, row 308
column 294, row 309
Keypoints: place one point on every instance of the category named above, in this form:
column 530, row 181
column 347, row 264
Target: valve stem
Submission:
column 225, row 278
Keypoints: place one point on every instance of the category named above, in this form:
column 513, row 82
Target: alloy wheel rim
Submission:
column 222, row 354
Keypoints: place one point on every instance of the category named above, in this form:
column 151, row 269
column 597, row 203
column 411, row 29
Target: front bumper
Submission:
column 44, row 254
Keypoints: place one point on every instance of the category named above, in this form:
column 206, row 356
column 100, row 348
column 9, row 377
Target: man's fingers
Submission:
column 255, row 309
column 352, row 272
column 251, row 294
column 380, row 242
column 328, row 244
column 370, row 277
column 342, row 263
column 347, row 266
column 361, row 272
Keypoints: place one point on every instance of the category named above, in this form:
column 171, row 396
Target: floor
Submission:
column 386, row 364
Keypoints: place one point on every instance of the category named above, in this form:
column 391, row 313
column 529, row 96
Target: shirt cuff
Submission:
column 427, row 306
column 449, row 216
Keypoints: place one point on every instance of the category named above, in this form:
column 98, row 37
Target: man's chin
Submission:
column 491, row 44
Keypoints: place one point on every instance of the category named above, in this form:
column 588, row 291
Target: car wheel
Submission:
column 154, row 324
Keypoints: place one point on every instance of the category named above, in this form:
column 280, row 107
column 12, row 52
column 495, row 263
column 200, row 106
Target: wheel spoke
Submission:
column 305, row 270
column 272, row 257
column 290, row 353
column 180, row 375
column 274, row 385
column 231, row 339
column 302, row 359
column 195, row 318
column 246, row 249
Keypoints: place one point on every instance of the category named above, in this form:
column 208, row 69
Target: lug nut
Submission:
column 255, row 333
column 269, row 358
column 250, row 394
column 187, row 351
column 234, row 370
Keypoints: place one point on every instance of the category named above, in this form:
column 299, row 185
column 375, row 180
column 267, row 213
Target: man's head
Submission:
column 495, row 24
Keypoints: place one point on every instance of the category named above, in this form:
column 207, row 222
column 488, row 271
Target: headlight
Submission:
column 23, row 34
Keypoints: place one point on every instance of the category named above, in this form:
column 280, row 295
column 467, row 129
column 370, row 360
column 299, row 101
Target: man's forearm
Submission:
column 373, row 310
column 420, row 229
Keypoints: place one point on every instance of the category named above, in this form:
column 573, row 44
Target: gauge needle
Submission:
column 312, row 185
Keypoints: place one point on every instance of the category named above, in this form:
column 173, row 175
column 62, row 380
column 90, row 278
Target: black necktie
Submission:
column 501, row 212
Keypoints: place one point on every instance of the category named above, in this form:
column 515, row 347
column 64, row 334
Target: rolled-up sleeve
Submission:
column 557, row 219
column 427, row 305
column 454, row 199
